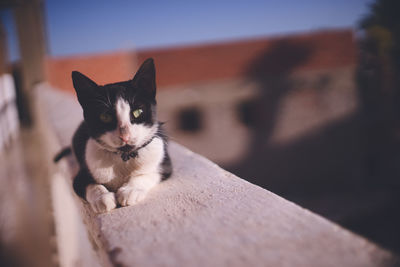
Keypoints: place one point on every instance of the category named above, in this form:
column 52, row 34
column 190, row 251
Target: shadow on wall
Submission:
column 320, row 162
column 274, row 168
column 337, row 170
column 278, row 62
column 331, row 159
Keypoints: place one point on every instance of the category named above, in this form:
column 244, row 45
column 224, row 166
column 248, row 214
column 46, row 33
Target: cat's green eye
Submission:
column 105, row 117
column 136, row 113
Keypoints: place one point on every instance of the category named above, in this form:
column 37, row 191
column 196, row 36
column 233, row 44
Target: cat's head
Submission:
column 120, row 116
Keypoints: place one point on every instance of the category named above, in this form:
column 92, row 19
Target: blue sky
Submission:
column 95, row 26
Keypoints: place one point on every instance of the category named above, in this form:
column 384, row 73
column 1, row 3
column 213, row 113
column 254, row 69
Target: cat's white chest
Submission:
column 105, row 166
column 109, row 169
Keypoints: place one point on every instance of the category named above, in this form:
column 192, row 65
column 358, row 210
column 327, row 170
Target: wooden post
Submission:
column 31, row 36
column 30, row 27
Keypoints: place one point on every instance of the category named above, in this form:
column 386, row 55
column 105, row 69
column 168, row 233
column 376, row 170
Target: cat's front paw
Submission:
column 103, row 203
column 129, row 195
column 100, row 199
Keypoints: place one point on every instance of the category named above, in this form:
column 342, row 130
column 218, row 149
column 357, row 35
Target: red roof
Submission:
column 201, row 63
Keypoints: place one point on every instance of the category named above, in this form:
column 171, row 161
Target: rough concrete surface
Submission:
column 205, row 216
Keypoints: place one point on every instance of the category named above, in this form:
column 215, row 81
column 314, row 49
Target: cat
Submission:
column 120, row 146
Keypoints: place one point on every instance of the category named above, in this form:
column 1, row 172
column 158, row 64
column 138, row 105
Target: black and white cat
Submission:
column 120, row 146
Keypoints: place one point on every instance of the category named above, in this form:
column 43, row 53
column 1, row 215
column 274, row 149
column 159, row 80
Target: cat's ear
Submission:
column 145, row 77
column 84, row 86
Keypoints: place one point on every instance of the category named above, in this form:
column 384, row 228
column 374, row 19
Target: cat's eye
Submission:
column 105, row 117
column 137, row 112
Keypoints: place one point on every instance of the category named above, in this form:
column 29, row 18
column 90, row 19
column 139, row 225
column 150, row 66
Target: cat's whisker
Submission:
column 97, row 100
column 108, row 99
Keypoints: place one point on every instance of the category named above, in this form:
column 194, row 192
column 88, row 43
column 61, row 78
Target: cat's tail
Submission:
column 64, row 152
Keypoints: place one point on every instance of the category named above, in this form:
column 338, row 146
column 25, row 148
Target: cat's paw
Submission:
column 129, row 195
column 104, row 202
column 100, row 199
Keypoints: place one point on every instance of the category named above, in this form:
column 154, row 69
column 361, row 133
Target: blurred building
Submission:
column 208, row 94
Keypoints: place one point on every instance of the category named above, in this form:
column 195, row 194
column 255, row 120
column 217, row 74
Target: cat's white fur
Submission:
column 132, row 179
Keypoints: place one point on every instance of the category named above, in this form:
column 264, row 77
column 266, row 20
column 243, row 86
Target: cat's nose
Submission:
column 124, row 137
column 124, row 134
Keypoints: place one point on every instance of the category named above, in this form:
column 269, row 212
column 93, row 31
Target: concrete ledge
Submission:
column 205, row 216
